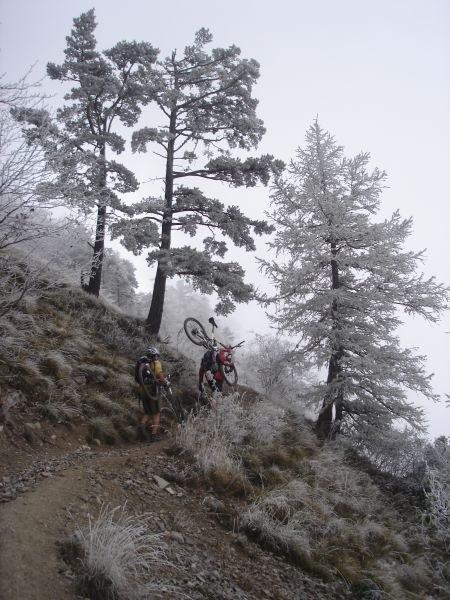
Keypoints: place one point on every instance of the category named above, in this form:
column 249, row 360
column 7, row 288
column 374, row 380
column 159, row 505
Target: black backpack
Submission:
column 143, row 360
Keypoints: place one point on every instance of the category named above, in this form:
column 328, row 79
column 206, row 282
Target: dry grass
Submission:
column 118, row 559
column 239, row 444
column 334, row 522
column 73, row 357
column 208, row 443
column 59, row 412
column 54, row 364
column 54, row 349
column 105, row 406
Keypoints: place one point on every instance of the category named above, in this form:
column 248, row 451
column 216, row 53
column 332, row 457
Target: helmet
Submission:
column 152, row 352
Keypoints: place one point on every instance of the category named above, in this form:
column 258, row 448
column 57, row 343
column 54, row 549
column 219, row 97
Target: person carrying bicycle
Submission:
column 149, row 368
column 210, row 368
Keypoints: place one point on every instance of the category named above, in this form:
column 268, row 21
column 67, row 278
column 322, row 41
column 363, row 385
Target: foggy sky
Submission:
column 376, row 73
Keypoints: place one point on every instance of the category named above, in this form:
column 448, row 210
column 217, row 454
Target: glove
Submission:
column 166, row 383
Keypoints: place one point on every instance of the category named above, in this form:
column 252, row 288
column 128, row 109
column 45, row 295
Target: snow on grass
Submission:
column 119, row 556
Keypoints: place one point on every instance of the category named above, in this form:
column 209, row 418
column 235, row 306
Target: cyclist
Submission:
column 153, row 375
column 210, row 368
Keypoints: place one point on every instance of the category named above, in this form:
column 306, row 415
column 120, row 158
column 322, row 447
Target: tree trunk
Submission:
column 95, row 278
column 153, row 323
column 326, row 426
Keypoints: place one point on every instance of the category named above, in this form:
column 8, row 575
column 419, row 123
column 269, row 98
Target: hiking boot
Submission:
column 156, row 437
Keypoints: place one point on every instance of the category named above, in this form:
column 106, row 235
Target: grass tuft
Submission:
column 103, row 429
column 55, row 365
column 118, row 558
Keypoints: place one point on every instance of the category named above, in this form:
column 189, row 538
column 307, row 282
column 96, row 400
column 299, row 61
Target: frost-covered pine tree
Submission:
column 343, row 280
column 205, row 99
column 107, row 88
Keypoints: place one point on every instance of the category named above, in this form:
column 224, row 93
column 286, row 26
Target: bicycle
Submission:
column 196, row 333
column 153, row 389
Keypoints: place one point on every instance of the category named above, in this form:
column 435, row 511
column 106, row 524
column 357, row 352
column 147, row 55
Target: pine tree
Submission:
column 107, row 87
column 342, row 281
column 206, row 99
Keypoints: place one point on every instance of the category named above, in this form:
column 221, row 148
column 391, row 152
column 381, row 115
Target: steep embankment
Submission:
column 242, row 502
column 71, row 442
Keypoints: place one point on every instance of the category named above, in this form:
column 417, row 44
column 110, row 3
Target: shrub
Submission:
column 205, row 438
column 437, row 512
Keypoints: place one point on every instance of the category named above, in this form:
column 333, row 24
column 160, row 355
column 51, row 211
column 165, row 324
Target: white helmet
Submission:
column 152, row 352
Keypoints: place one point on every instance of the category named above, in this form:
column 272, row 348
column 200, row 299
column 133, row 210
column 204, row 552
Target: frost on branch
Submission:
column 192, row 209
column 136, row 234
column 206, row 102
column 206, row 276
column 105, row 88
column 342, row 284
column 239, row 172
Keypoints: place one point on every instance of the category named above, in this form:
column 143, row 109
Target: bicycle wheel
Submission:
column 195, row 331
column 175, row 405
column 149, row 384
column 230, row 375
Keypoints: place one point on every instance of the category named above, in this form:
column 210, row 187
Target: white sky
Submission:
column 376, row 72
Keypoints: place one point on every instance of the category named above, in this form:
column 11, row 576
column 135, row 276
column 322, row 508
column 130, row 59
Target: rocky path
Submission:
column 43, row 503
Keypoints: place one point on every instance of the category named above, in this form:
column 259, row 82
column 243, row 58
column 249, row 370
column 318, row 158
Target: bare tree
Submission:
column 22, row 168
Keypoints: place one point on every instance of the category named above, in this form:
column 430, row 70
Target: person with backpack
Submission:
column 148, row 370
column 211, row 368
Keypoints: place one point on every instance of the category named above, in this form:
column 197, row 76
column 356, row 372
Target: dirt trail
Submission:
column 32, row 525
column 29, row 526
column 208, row 560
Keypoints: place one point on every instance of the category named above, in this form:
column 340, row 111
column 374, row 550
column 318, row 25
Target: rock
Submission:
column 214, row 504
column 162, row 483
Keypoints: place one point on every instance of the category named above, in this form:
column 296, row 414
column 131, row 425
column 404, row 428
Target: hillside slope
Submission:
column 243, row 502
